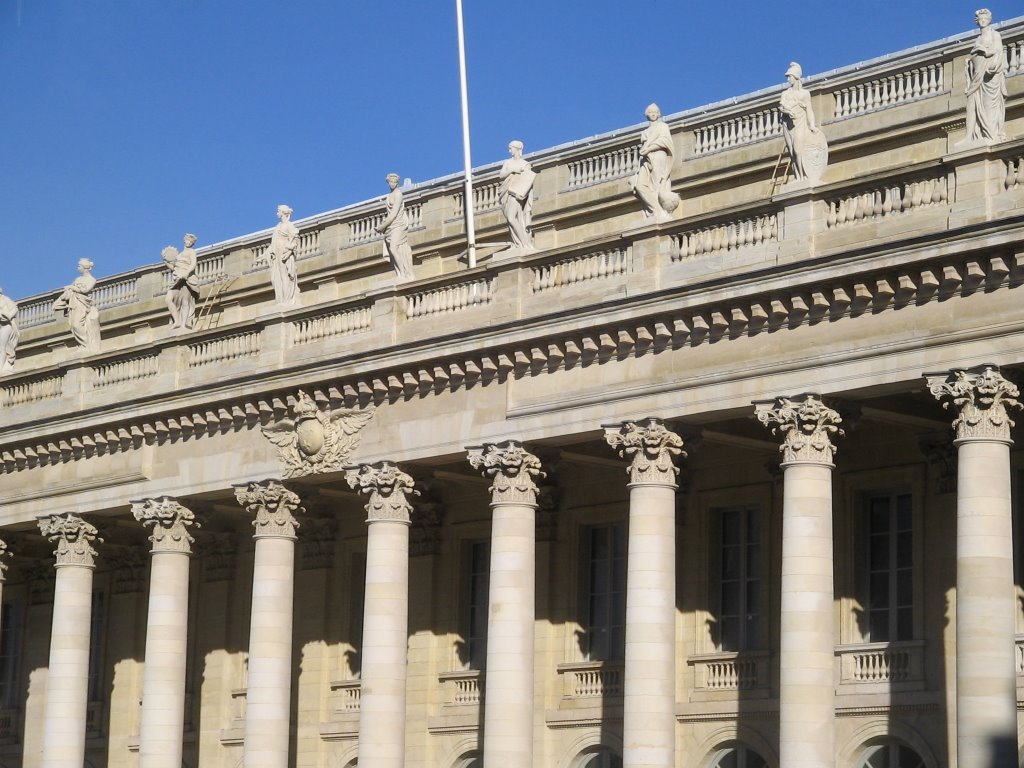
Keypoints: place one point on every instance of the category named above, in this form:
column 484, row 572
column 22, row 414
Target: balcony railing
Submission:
column 462, row 688
column 345, row 696
column 730, row 671
column 591, row 679
column 872, row 664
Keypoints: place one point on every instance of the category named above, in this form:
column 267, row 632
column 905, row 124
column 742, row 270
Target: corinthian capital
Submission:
column 387, row 486
column 73, row 537
column 273, row 506
column 650, row 448
column 512, row 470
column 982, row 398
column 806, row 425
column 169, row 521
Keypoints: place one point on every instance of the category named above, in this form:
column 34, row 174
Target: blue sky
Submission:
column 128, row 122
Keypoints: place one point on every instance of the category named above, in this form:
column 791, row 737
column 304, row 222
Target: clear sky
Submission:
column 126, row 123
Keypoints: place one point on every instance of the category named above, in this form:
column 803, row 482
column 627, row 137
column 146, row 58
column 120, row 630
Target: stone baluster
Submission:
column 67, row 687
column 268, row 693
column 807, row 646
column 163, row 676
column 508, row 671
column 649, row 694
column 385, row 613
column 986, row 701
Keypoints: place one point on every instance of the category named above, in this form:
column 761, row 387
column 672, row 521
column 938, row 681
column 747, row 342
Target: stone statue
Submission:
column 8, row 333
column 184, row 291
column 76, row 302
column 808, row 150
column 284, row 243
column 986, row 83
column 515, row 197
column 652, row 182
column 395, row 228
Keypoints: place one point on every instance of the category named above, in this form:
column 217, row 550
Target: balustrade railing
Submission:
column 1014, row 57
column 887, row 200
column 736, row 131
column 732, row 671
column 1014, row 172
column 31, row 390
column 365, row 229
column 328, row 325
column 727, row 237
column 888, row 91
column 113, row 372
column 881, row 663
column 613, row 164
column 463, row 687
column 115, row 293
column 582, row 268
column 224, row 349
column 36, row 313
column 485, row 198
column 346, row 696
column 450, row 298
column 591, row 679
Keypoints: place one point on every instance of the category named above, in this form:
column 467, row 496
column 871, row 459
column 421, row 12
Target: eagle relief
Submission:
column 315, row 441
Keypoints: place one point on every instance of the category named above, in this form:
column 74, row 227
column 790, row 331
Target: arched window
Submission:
column 598, row 757
column 469, row 761
column 738, row 756
column 889, row 754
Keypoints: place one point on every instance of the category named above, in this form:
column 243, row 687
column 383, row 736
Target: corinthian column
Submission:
column 508, row 674
column 385, row 613
column 67, row 688
column 807, row 646
column 163, row 675
column 269, row 688
column 986, row 701
column 649, row 700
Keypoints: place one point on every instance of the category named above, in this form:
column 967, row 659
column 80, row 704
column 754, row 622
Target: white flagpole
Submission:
column 467, row 194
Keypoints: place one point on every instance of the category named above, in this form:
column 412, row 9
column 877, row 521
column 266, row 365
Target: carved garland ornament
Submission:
column 387, row 486
column 806, row 425
column 650, row 449
column 274, row 507
column 512, row 470
column 73, row 537
column 316, row 441
column 169, row 520
column 982, row 398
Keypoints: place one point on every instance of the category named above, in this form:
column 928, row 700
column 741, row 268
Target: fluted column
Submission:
column 508, row 674
column 649, row 694
column 986, row 701
column 67, row 688
column 807, row 645
column 163, row 676
column 385, row 613
column 268, row 691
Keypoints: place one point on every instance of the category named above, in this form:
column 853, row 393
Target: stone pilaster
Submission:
column 649, row 700
column 386, row 613
column 67, row 690
column 163, row 676
column 986, row 702
column 807, row 646
column 508, row 674
column 268, row 695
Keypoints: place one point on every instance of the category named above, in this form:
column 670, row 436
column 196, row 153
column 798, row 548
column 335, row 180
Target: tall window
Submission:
column 738, row 589
column 96, row 635
column 10, row 653
column 890, row 568
column 605, row 635
column 478, row 564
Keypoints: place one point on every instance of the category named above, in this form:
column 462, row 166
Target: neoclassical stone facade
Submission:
column 735, row 484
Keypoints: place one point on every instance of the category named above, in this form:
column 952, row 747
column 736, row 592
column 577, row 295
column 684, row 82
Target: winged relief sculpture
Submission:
column 315, row 441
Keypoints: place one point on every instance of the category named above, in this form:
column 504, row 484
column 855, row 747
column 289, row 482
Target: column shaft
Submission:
column 268, row 691
column 384, row 649
column 807, row 647
column 163, row 678
column 649, row 722
column 67, row 689
column 508, row 699
column 986, row 697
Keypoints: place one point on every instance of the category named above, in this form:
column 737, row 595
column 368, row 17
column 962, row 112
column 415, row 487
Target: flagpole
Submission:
column 467, row 194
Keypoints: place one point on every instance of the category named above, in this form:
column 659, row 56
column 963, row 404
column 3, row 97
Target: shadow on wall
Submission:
column 1002, row 752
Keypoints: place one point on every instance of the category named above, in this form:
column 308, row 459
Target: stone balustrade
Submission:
column 880, row 664
column 891, row 199
column 732, row 671
column 736, row 131
column 591, row 679
column 889, row 91
column 345, row 696
column 605, row 166
column 462, row 688
column 727, row 237
column 485, row 198
column 582, row 268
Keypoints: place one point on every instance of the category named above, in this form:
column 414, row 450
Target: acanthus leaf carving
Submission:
column 650, row 448
column 806, row 425
column 315, row 441
column 388, row 487
column 512, row 469
column 274, row 507
column 170, row 522
column 73, row 537
column 982, row 398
